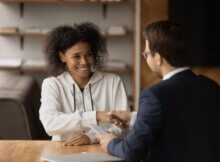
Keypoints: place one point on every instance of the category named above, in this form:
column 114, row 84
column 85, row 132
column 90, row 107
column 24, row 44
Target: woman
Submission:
column 76, row 95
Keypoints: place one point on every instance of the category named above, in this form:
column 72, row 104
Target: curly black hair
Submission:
column 64, row 37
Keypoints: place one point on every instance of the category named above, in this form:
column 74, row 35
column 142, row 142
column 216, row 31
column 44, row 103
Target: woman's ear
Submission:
column 158, row 59
column 62, row 57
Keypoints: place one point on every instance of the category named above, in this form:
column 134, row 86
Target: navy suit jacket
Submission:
column 178, row 120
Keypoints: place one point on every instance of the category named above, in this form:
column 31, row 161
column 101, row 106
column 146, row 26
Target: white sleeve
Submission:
column 92, row 135
column 54, row 120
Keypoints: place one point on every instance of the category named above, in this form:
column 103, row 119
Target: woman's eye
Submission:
column 90, row 54
column 76, row 57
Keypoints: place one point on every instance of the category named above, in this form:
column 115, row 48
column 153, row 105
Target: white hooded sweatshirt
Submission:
column 65, row 110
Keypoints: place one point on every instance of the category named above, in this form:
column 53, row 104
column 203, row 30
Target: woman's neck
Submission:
column 82, row 81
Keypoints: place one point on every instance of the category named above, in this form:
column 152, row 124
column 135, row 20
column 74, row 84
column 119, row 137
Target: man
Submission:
column 178, row 119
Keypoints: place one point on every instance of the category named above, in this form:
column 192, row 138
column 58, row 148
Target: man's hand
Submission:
column 124, row 115
column 77, row 140
column 117, row 120
column 104, row 140
column 109, row 117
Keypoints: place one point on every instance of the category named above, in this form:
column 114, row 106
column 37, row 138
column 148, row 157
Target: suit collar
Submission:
column 174, row 72
column 187, row 72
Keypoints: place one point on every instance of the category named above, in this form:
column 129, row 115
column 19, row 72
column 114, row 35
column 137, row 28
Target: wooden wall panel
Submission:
column 152, row 10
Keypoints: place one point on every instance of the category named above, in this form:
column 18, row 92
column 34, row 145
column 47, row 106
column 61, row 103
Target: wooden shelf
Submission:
column 11, row 65
column 64, row 1
column 22, row 34
column 34, row 69
column 32, row 66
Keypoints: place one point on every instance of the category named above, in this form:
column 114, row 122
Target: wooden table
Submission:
column 31, row 151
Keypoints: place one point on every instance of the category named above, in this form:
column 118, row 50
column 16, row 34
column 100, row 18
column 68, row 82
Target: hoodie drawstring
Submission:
column 74, row 97
column 90, row 92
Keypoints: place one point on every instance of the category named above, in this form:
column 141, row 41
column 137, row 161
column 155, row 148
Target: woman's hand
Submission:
column 77, row 140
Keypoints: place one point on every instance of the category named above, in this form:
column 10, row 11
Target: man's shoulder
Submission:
column 161, row 85
column 155, row 90
column 208, row 80
column 176, row 84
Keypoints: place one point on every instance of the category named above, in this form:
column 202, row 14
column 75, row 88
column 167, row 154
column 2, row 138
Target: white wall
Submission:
column 51, row 15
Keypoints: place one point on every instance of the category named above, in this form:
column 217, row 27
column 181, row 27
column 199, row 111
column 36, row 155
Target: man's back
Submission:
column 178, row 118
column 190, row 130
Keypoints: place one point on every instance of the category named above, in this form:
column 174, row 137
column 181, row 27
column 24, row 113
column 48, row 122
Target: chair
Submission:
column 19, row 105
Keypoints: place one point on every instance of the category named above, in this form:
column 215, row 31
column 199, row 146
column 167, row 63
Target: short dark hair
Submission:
column 64, row 37
column 170, row 40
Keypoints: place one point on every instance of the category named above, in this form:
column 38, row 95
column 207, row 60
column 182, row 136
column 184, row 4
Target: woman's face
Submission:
column 79, row 60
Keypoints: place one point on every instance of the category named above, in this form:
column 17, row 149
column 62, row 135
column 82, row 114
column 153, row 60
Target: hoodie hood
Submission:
column 96, row 77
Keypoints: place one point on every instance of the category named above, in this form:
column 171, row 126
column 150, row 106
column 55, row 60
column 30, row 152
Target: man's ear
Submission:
column 62, row 58
column 158, row 59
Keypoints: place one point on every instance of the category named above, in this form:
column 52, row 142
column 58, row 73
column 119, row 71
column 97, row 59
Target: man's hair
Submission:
column 170, row 40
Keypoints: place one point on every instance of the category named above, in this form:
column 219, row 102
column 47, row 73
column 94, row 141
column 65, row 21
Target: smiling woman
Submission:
column 62, row 38
column 79, row 60
column 77, row 95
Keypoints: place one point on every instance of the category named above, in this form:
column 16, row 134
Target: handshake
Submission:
column 119, row 118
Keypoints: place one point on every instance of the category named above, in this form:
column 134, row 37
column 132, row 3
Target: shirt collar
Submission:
column 172, row 73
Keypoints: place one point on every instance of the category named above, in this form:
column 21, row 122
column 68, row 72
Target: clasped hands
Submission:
column 119, row 118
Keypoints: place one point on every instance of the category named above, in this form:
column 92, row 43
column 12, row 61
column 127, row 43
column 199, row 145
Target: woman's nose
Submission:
column 83, row 60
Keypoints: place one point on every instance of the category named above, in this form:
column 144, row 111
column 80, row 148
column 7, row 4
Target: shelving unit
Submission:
column 103, row 2
column 39, row 67
column 119, row 45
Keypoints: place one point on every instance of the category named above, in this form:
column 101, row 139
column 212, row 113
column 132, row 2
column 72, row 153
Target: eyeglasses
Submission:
column 145, row 54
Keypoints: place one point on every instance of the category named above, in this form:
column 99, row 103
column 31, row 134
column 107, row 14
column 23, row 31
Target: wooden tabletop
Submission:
column 31, row 151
